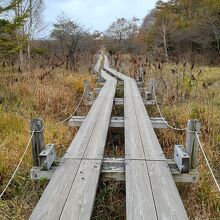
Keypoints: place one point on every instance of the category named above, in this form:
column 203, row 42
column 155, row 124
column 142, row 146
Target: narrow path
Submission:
column 151, row 192
column 71, row 192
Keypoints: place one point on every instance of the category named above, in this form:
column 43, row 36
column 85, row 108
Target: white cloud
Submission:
column 97, row 14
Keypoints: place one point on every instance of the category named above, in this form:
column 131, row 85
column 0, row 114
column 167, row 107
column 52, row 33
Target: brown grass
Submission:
column 51, row 97
column 55, row 95
column 110, row 200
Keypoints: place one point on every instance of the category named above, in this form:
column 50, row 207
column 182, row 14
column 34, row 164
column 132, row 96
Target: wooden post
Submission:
column 37, row 140
column 192, row 144
column 86, row 88
column 150, row 90
column 141, row 72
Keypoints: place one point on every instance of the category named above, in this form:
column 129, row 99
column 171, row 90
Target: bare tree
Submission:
column 123, row 29
column 33, row 24
column 67, row 35
column 30, row 10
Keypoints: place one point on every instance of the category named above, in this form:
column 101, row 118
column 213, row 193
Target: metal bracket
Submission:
column 48, row 156
column 182, row 159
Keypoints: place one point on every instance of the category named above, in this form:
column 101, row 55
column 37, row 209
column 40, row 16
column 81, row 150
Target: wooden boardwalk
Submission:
column 72, row 189
column 151, row 192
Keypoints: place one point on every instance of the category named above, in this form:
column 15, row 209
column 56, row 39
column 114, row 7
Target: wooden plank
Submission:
column 133, row 144
column 166, row 196
column 149, row 141
column 75, row 182
column 116, row 122
column 80, row 202
column 93, row 146
column 154, row 175
column 151, row 145
column 120, row 102
column 80, row 142
column 112, row 71
column 139, row 198
column 52, row 201
column 97, row 141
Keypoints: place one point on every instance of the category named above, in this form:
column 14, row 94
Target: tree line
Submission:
column 19, row 24
column 173, row 30
column 68, row 44
column 183, row 28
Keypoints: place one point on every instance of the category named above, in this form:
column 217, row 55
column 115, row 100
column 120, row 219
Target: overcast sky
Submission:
column 96, row 14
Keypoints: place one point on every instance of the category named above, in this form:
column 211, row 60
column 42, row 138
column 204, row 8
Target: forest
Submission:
column 177, row 44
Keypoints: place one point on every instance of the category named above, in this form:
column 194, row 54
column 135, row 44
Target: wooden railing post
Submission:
column 141, row 70
column 192, row 144
column 150, row 90
column 37, row 140
column 100, row 77
column 86, row 89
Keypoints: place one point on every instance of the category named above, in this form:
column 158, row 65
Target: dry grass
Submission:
column 51, row 96
column 110, row 201
column 54, row 96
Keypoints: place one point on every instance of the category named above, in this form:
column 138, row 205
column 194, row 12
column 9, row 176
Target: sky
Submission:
column 96, row 14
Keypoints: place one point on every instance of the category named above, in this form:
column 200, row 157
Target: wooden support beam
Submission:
column 191, row 177
column 117, row 122
column 120, row 102
column 140, row 84
column 97, row 90
column 38, row 174
column 114, row 168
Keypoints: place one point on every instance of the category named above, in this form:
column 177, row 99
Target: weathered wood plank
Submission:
column 166, row 196
column 93, row 146
column 80, row 202
column 100, row 119
column 97, row 141
column 150, row 143
column 139, row 198
column 133, row 144
column 154, row 177
column 52, row 201
column 75, row 182
column 117, row 122
column 79, row 143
